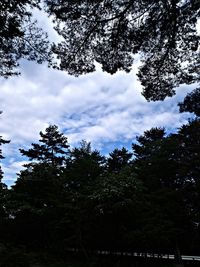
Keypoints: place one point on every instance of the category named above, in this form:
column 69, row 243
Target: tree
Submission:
column 147, row 143
column 39, row 186
column 118, row 159
column 188, row 167
column 35, row 200
column 163, row 32
column 52, row 151
column 191, row 102
column 35, row 204
column 84, row 168
column 158, row 165
column 2, row 141
column 3, row 193
column 111, row 32
column 116, row 200
column 20, row 37
column 2, row 185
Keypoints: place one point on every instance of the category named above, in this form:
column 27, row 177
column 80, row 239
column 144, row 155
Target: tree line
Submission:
column 147, row 199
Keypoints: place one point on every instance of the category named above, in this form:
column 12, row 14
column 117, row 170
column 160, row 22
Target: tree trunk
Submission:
column 177, row 257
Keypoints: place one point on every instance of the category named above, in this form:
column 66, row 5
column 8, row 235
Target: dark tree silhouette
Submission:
column 35, row 199
column 163, row 32
column 118, row 159
column 116, row 210
column 85, row 166
column 2, row 185
column 169, row 169
column 191, row 103
column 52, row 150
column 20, row 37
column 79, row 198
column 2, row 141
column 111, row 32
column 3, row 195
column 188, row 168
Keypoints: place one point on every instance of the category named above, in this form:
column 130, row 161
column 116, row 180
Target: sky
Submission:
column 106, row 110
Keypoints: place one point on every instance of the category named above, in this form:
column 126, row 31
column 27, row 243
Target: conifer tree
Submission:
column 164, row 33
column 37, row 196
column 85, row 165
column 118, row 159
column 20, row 36
column 3, row 194
column 191, row 102
column 52, row 149
column 40, row 183
column 2, row 185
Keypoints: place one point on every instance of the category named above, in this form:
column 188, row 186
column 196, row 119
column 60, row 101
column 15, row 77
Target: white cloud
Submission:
column 97, row 107
column 11, row 168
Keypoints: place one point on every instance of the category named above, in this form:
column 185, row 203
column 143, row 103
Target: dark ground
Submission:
column 15, row 257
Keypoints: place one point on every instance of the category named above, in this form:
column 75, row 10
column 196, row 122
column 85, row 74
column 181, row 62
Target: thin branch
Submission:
column 38, row 51
column 120, row 15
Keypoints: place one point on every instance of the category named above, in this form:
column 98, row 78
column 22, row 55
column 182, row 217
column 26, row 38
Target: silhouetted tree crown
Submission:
column 3, row 187
column 78, row 198
column 191, row 103
column 2, row 141
column 85, row 165
column 111, row 33
column 118, row 159
column 20, row 36
column 52, row 149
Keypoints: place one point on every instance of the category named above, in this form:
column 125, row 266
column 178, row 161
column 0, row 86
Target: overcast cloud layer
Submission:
column 107, row 110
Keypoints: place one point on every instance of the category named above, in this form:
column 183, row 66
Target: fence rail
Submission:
column 138, row 254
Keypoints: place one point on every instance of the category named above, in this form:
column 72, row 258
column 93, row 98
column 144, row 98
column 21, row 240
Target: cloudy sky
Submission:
column 107, row 110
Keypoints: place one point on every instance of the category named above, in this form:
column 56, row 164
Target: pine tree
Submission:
column 191, row 102
column 168, row 166
column 20, row 36
column 164, row 33
column 118, row 159
column 2, row 185
column 86, row 165
column 36, row 198
column 41, row 183
column 52, row 149
column 3, row 197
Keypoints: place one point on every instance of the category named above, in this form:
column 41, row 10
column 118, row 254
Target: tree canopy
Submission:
column 20, row 36
column 191, row 103
column 163, row 33
column 52, row 150
column 3, row 187
column 144, row 200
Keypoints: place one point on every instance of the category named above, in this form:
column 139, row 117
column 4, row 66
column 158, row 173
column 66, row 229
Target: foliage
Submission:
column 169, row 168
column 111, row 32
column 53, row 149
column 20, row 36
column 191, row 103
column 77, row 198
column 3, row 187
column 118, row 159
column 34, row 200
column 13, row 257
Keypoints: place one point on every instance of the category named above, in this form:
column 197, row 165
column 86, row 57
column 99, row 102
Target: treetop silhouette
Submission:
column 163, row 33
